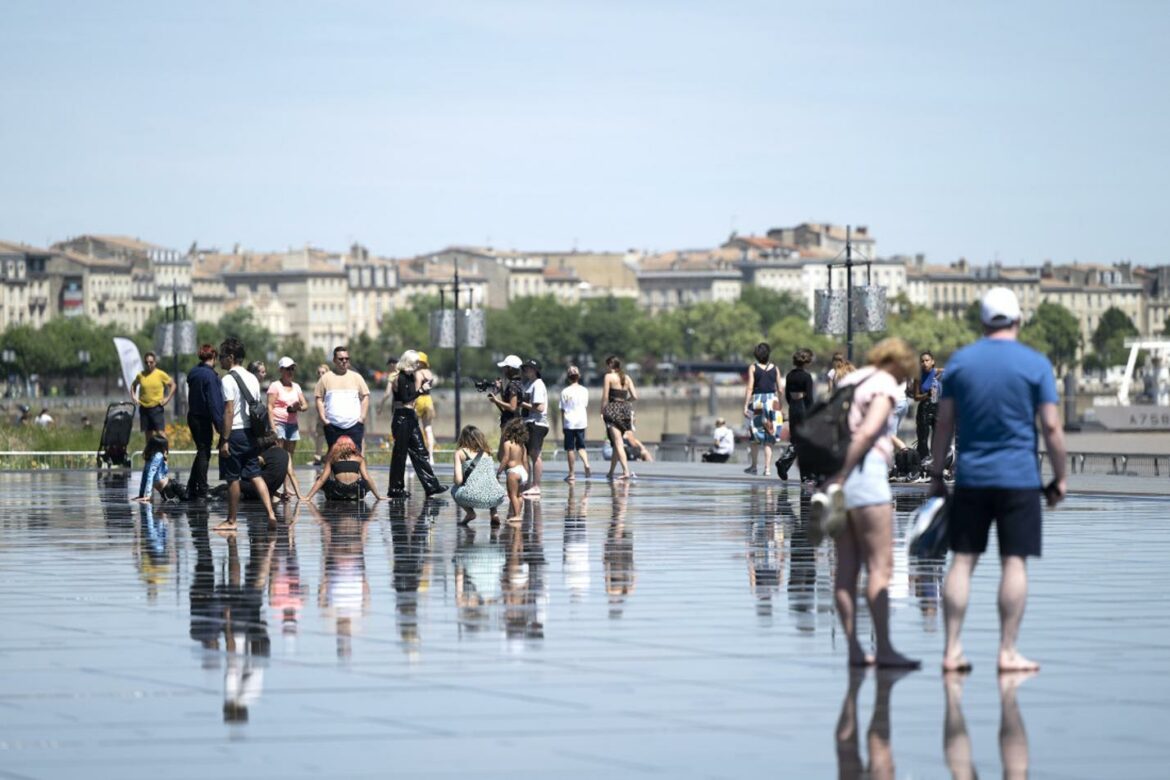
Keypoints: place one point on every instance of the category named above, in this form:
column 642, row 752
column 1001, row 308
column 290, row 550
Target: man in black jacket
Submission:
column 204, row 415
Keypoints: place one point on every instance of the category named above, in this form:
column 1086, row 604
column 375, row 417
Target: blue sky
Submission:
column 1016, row 131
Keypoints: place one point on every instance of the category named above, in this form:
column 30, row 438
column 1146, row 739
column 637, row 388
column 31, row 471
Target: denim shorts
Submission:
column 574, row 438
column 288, row 432
column 869, row 483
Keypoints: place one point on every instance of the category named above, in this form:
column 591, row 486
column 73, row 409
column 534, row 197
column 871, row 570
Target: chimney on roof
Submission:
column 862, row 230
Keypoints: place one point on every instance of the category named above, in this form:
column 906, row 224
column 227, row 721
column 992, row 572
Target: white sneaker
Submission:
column 818, row 509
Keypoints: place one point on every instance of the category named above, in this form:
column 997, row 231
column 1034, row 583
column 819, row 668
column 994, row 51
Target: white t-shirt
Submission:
column 536, row 393
column 231, row 392
column 724, row 440
column 574, row 407
column 43, row 420
column 342, row 395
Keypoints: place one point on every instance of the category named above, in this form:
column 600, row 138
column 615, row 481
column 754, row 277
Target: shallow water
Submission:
column 661, row 627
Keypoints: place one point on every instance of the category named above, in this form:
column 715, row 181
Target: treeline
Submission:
column 556, row 333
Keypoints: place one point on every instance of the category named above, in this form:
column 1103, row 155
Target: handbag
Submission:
column 479, row 490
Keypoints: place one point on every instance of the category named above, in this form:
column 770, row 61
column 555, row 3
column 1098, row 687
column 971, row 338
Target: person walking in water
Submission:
column 408, row 437
column 866, row 537
column 204, row 416
column 996, row 389
column 800, row 393
column 574, row 421
column 618, row 392
column 761, row 406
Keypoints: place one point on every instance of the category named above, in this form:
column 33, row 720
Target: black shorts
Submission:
column 242, row 461
column 151, row 418
column 1016, row 514
column 536, row 434
column 574, row 439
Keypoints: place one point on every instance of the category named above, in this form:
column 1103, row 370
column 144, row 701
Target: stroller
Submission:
column 114, row 447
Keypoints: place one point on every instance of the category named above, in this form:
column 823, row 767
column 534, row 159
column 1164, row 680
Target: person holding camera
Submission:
column 506, row 393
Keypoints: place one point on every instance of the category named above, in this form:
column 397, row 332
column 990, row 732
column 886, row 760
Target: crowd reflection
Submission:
column 411, row 568
column 343, row 594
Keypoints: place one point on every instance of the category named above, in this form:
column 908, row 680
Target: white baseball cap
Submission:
column 512, row 361
column 999, row 307
column 286, row 362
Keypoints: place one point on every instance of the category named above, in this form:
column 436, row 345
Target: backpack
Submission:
column 823, row 436
column 256, row 415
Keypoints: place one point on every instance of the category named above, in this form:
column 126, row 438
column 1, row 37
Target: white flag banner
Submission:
column 130, row 358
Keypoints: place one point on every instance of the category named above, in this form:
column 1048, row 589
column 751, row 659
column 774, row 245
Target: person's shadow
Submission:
column 881, row 756
column 1013, row 739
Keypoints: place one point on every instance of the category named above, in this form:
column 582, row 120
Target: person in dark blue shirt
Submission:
column 204, row 415
column 926, row 393
column 994, row 392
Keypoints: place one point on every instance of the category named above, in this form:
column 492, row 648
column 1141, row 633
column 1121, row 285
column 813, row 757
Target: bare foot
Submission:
column 588, row 472
column 226, row 527
column 895, row 660
column 1012, row 661
column 467, row 518
column 956, row 662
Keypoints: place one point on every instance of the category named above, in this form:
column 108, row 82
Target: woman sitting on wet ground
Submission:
column 475, row 484
column 344, row 477
column 515, row 456
column 156, row 474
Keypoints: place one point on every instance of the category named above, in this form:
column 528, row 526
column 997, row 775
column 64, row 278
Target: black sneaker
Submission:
column 442, row 489
column 398, row 494
column 781, row 472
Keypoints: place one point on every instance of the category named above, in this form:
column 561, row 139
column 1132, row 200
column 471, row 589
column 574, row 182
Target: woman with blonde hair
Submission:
column 862, row 492
column 408, row 436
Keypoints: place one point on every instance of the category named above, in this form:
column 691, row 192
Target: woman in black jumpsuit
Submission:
column 408, row 437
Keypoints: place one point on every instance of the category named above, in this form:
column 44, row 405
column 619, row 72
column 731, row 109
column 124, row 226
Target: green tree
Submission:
column 793, row 333
column 240, row 324
column 719, row 331
column 1054, row 331
column 1166, row 327
column 1109, row 337
column 974, row 317
column 772, row 306
column 925, row 330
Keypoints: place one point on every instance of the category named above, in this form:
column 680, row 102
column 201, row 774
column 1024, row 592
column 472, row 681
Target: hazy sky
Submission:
column 1011, row 130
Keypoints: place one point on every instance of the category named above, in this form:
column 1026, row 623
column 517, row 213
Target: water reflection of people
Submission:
column 618, row 553
column 1013, row 739
column 523, row 580
column 575, row 544
column 478, row 570
column 765, row 561
column 881, row 757
column 286, row 592
column 344, row 590
column 411, row 540
column 232, row 605
column 802, row 565
column 154, row 558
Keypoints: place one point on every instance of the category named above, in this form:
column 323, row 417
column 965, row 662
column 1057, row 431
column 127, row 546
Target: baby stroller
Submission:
column 113, row 449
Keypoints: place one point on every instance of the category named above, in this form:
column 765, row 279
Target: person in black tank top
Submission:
column 344, row 476
column 761, row 406
column 800, row 394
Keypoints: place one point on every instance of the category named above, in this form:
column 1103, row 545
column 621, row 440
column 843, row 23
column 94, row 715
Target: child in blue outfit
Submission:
column 156, row 473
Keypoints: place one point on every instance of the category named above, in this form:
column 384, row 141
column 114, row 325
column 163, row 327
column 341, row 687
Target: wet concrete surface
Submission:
column 671, row 628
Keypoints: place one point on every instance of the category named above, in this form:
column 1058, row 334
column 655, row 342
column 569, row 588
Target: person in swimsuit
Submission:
column 344, row 477
column 515, row 455
column 617, row 414
column 408, row 437
column 424, row 405
column 761, row 406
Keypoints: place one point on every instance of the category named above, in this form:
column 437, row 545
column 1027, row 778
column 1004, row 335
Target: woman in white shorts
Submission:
column 867, row 536
column 285, row 399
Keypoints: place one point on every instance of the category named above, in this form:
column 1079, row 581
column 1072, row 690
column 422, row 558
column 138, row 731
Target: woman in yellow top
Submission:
column 424, row 405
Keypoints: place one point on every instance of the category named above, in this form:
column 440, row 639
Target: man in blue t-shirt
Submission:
column 994, row 391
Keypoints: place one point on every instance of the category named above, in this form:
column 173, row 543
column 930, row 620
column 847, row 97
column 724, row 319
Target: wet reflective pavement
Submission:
column 678, row 629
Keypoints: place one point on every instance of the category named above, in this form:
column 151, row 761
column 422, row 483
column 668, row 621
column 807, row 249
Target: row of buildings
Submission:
column 325, row 296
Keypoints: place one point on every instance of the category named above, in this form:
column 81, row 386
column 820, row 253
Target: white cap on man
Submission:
column 999, row 308
column 512, row 361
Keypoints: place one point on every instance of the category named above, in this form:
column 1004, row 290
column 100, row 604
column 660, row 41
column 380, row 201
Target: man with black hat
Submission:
column 535, row 409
